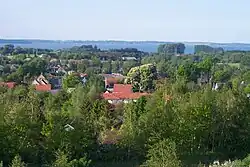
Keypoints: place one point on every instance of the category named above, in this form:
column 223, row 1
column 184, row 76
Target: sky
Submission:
column 138, row 20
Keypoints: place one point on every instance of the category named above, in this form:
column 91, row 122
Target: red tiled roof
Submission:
column 8, row 84
column 43, row 87
column 110, row 96
column 123, row 96
column 122, row 88
column 83, row 75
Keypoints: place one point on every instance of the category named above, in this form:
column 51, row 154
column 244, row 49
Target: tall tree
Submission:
column 143, row 77
column 163, row 154
column 17, row 162
column 71, row 81
column 176, row 48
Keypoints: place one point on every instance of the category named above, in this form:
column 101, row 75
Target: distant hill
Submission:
column 147, row 46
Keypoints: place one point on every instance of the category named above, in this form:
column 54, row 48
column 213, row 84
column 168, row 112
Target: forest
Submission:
column 197, row 112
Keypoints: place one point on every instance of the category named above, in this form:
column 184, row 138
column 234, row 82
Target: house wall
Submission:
column 43, row 87
column 121, row 101
column 115, row 101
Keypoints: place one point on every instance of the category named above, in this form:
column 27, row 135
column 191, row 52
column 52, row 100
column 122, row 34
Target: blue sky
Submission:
column 163, row 20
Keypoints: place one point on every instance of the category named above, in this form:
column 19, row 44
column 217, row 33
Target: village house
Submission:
column 55, row 81
column 41, row 84
column 54, row 61
column 41, row 80
column 83, row 77
column 61, row 70
column 129, row 58
column 111, row 79
column 122, row 93
column 53, row 69
column 9, row 85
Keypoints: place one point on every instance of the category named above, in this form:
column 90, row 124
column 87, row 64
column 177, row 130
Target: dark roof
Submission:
column 123, row 96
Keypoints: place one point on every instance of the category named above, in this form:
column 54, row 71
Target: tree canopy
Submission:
column 186, row 119
column 142, row 77
column 176, row 48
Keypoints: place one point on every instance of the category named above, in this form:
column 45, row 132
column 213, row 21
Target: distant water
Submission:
column 143, row 46
column 147, row 47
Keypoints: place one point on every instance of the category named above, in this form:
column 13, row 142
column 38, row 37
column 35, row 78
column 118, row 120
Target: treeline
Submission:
column 207, row 49
column 88, row 51
column 126, row 50
column 179, row 48
column 12, row 50
column 176, row 48
column 83, row 48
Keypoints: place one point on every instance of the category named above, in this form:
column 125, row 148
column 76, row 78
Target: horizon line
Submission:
column 122, row 40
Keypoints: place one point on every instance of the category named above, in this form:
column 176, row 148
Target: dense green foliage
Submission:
column 142, row 77
column 11, row 50
column 177, row 48
column 71, row 81
column 207, row 49
column 35, row 125
column 184, row 122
